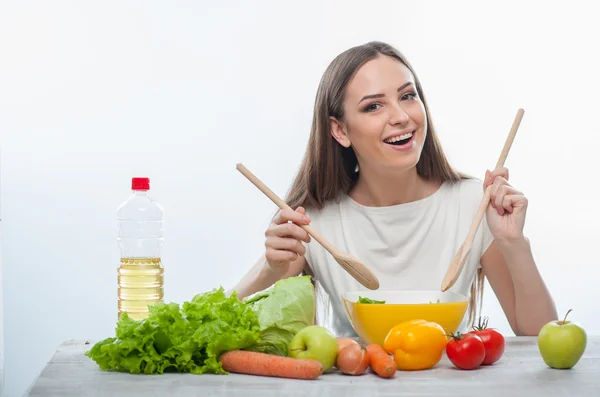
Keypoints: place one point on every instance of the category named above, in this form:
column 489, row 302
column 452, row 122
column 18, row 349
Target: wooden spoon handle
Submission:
column 501, row 160
column 478, row 217
column 458, row 263
column 510, row 138
column 283, row 205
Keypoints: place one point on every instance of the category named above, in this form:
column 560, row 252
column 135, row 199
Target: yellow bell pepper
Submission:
column 416, row 344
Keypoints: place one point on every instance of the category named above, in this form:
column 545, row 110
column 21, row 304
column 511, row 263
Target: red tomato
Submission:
column 492, row 339
column 466, row 351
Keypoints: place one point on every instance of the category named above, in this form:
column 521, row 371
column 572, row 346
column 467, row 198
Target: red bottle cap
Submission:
column 140, row 183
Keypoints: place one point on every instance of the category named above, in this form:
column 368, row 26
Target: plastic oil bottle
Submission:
column 140, row 239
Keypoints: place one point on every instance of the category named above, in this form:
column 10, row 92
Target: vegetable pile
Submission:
column 272, row 334
column 191, row 337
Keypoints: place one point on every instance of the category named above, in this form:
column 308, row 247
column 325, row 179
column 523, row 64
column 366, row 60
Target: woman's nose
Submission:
column 398, row 115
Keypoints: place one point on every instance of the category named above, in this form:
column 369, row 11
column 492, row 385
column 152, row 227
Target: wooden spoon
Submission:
column 459, row 260
column 353, row 266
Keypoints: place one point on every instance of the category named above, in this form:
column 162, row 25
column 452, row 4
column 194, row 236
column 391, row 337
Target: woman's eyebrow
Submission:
column 403, row 86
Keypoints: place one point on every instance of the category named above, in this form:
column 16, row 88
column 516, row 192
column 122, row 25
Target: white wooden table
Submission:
column 520, row 372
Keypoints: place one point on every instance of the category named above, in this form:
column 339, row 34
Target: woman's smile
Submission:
column 401, row 141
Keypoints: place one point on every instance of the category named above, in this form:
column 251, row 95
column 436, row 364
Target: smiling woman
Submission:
column 375, row 181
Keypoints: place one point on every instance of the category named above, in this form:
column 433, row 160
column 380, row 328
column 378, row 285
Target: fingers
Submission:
column 490, row 176
column 512, row 201
column 498, row 182
column 280, row 258
column 287, row 244
column 284, row 237
column 288, row 230
column 507, row 202
column 299, row 216
column 500, row 190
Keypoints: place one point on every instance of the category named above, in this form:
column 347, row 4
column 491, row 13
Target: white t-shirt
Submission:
column 408, row 246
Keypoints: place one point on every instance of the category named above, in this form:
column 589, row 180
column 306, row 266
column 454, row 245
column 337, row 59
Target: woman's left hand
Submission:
column 507, row 208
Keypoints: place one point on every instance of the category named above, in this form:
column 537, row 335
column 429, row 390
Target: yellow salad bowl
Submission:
column 373, row 321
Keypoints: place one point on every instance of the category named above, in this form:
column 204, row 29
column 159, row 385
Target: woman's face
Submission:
column 384, row 118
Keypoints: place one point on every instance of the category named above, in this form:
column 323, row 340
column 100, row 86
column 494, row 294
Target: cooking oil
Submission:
column 140, row 284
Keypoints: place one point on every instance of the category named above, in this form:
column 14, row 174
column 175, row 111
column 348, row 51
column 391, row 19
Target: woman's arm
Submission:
column 509, row 264
column 284, row 254
column 513, row 275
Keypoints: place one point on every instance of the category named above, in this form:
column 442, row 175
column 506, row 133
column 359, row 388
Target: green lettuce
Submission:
column 369, row 300
column 187, row 338
column 192, row 337
column 283, row 310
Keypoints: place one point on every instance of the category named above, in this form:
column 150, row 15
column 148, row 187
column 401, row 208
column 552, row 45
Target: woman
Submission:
column 376, row 183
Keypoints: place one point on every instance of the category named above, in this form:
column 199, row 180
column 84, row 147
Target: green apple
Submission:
column 562, row 343
column 316, row 343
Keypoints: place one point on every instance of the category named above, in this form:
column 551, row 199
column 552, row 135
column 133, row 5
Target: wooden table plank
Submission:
column 521, row 371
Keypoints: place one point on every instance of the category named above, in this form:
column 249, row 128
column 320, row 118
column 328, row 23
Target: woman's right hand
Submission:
column 284, row 238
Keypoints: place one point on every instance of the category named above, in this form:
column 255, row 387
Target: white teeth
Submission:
column 399, row 138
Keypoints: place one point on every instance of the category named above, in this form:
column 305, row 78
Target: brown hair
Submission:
column 328, row 169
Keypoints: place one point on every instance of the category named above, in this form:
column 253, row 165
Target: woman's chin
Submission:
column 397, row 167
column 403, row 163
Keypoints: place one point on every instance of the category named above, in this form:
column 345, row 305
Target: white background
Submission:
column 93, row 93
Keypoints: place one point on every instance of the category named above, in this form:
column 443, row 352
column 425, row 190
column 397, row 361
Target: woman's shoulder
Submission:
column 467, row 189
column 330, row 208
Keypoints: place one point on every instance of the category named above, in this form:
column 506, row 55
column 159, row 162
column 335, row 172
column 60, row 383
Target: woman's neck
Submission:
column 376, row 189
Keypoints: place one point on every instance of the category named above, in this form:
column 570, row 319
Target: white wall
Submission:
column 93, row 93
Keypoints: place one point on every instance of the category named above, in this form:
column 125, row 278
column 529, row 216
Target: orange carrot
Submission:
column 255, row 363
column 380, row 361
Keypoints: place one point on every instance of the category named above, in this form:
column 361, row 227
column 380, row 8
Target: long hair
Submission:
column 327, row 170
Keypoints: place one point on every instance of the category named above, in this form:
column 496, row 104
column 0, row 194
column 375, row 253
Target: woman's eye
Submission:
column 409, row 95
column 372, row 107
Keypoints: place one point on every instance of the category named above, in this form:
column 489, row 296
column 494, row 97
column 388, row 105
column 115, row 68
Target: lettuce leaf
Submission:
column 283, row 310
column 369, row 300
column 189, row 338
